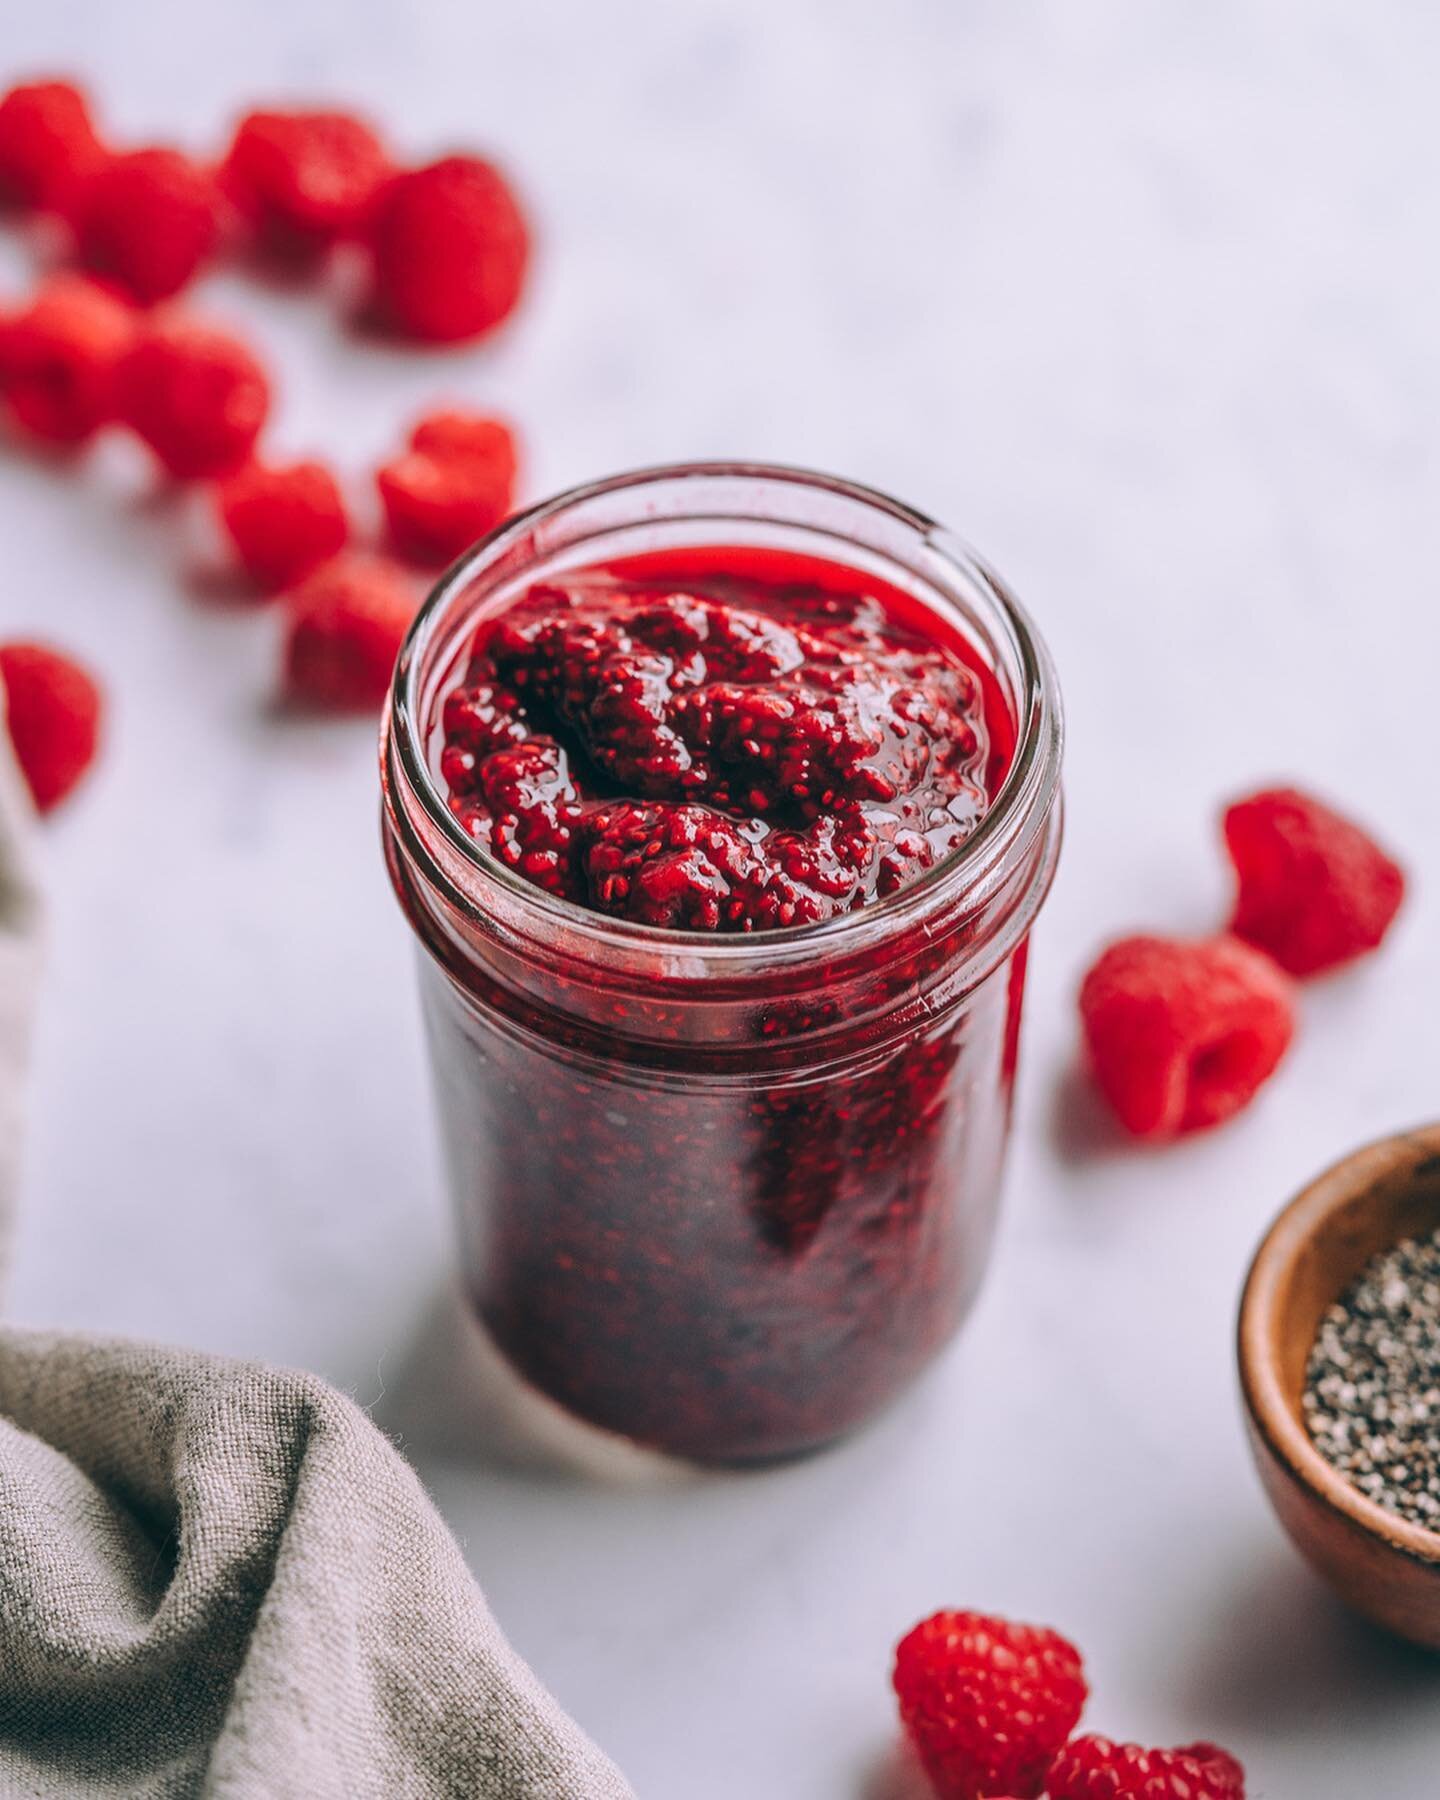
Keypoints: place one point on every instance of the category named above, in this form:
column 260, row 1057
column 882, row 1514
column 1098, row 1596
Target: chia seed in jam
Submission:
column 726, row 1200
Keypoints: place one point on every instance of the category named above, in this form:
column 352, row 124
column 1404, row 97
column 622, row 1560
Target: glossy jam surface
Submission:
column 737, row 743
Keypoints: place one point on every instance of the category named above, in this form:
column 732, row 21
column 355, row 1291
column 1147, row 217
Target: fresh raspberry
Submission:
column 1218, row 1763
column 344, row 631
column 195, row 395
column 457, row 433
column 455, row 483
column 303, row 180
column 60, row 359
column 48, row 146
column 150, row 219
column 986, row 1703
column 451, row 249
column 1092, row 1768
column 283, row 522
column 1314, row 890
column 1181, row 1034
column 53, row 708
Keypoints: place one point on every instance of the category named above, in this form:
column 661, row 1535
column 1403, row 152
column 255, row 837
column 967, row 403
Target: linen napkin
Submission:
column 218, row 1579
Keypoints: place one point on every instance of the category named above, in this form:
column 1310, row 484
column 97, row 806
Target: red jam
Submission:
column 742, row 752
column 725, row 1200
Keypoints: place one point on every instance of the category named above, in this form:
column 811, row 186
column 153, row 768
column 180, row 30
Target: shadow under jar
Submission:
column 724, row 1191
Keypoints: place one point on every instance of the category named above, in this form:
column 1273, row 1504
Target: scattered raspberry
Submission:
column 462, row 434
column 1217, row 1763
column 151, row 220
column 1092, row 1768
column 283, row 522
column 60, row 359
column 345, row 628
column 986, row 1703
column 195, row 395
column 53, row 708
column 455, row 483
column 48, row 146
column 451, row 248
column 1181, row 1035
column 1314, row 890
column 305, row 179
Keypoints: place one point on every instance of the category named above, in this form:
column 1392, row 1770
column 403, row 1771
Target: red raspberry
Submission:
column 1092, row 1768
column 986, row 1703
column 462, row 434
column 455, row 483
column 283, row 523
column 1218, row 1763
column 1181, row 1035
column 150, row 219
column 346, row 624
column 451, row 248
column 195, row 395
column 53, row 708
column 1314, row 890
column 60, row 359
column 305, row 179
column 48, row 146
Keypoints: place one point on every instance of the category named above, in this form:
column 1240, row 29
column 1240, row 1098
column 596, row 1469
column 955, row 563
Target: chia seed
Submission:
column 1372, row 1384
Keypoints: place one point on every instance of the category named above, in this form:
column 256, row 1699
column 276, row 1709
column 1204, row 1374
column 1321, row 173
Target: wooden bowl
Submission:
column 1381, row 1565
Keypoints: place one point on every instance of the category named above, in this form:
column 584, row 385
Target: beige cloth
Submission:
column 219, row 1579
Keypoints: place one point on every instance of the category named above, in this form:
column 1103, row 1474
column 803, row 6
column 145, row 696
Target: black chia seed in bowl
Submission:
column 1372, row 1384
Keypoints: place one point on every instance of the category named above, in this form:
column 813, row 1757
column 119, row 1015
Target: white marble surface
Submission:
column 1143, row 298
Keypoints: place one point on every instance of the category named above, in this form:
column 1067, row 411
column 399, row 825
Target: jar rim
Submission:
column 1018, row 812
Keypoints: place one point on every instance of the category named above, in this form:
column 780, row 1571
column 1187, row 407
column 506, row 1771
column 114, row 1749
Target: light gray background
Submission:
column 1143, row 299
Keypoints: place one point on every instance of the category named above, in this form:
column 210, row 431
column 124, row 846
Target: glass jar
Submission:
column 724, row 1194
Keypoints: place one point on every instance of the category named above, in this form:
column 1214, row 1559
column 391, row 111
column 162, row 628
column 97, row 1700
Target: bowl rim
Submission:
column 1276, row 1421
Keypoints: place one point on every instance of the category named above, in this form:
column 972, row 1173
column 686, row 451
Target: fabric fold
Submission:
column 220, row 1579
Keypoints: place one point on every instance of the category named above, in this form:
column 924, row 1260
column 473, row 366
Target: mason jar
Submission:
column 725, row 1194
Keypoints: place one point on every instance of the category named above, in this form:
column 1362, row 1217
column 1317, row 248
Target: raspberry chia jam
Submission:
column 722, row 800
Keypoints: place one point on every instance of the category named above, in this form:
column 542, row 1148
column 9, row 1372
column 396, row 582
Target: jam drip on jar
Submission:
column 730, row 756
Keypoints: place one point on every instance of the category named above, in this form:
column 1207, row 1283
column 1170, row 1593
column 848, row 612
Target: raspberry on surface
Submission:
column 150, row 219
column 1182, row 1034
column 451, row 249
column 282, row 522
column 53, row 708
column 48, row 145
column 1094, row 1768
column 987, row 1703
column 60, row 359
column 1313, row 889
column 1218, row 1764
column 454, row 484
column 305, row 179
column 344, row 628
column 196, row 395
